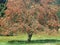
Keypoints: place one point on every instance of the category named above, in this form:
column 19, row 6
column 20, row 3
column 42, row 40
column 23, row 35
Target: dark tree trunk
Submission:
column 29, row 37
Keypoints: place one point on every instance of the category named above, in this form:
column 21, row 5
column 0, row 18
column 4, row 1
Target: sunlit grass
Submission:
column 25, row 37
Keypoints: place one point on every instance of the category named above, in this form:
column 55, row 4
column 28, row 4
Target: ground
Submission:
column 36, row 40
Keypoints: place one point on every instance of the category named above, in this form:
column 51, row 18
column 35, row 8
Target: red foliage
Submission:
column 29, row 16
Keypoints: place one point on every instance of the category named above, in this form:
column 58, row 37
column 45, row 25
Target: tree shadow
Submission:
column 35, row 41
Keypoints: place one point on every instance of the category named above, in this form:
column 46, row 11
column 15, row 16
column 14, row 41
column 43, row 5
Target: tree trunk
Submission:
column 29, row 37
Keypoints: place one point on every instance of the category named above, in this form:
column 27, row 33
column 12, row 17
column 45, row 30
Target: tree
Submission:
column 2, row 1
column 2, row 7
column 29, row 16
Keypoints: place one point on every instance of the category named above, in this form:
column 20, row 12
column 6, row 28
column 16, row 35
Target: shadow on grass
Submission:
column 35, row 41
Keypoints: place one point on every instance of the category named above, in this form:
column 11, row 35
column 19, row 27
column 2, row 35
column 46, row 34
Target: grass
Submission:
column 9, row 38
column 24, row 37
column 36, row 40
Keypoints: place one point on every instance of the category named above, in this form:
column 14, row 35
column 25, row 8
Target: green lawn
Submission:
column 36, row 40
column 24, row 37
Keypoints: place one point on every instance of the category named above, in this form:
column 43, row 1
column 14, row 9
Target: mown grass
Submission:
column 36, row 40
column 25, row 37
